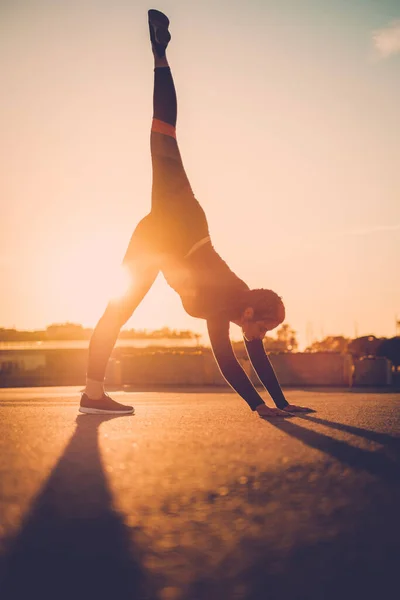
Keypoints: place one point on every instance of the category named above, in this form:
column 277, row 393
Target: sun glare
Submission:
column 85, row 277
column 119, row 282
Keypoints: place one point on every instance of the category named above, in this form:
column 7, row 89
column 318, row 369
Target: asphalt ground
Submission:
column 195, row 497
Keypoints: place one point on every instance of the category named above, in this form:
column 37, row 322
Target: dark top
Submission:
column 207, row 286
column 210, row 290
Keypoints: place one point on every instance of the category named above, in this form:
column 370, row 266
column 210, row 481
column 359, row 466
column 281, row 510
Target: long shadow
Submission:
column 73, row 544
column 393, row 389
column 357, row 458
column 373, row 436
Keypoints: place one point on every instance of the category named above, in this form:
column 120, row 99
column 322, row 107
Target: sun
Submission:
column 85, row 277
column 120, row 280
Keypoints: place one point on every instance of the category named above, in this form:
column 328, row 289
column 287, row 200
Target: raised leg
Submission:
column 179, row 218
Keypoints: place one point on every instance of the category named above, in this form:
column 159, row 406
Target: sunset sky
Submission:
column 289, row 127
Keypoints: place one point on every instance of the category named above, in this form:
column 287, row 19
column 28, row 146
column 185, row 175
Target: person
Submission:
column 174, row 238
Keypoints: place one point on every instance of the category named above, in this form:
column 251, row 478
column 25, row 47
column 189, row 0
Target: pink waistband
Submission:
column 164, row 128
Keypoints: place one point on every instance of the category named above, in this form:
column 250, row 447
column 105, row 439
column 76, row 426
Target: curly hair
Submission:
column 266, row 304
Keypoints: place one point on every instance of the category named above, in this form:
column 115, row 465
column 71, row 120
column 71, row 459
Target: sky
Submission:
column 288, row 125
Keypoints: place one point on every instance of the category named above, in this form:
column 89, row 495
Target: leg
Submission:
column 115, row 316
column 179, row 218
column 143, row 267
column 169, row 177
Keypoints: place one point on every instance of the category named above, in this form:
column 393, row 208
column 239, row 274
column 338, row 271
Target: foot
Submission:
column 292, row 408
column 104, row 406
column 271, row 413
column 159, row 34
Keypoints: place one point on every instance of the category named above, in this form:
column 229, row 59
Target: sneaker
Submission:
column 159, row 34
column 104, row 406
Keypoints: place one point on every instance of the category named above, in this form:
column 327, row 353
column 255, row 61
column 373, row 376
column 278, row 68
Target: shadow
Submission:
column 72, row 543
column 393, row 389
column 178, row 389
column 357, row 458
column 329, row 569
column 373, row 436
column 224, row 388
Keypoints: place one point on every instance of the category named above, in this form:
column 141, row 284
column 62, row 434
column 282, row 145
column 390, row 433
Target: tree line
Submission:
column 285, row 340
column 360, row 347
column 72, row 331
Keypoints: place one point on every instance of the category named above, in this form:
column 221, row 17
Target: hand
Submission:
column 265, row 412
column 292, row 408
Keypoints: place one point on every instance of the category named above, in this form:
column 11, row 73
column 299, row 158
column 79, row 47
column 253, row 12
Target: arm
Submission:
column 265, row 371
column 229, row 365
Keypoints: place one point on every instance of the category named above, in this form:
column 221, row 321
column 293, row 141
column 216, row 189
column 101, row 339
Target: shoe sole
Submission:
column 100, row 411
column 157, row 17
column 159, row 23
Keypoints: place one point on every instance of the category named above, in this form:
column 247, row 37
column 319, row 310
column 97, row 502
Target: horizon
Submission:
column 196, row 335
column 290, row 141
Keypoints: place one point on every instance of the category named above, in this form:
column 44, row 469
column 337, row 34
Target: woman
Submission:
column 174, row 239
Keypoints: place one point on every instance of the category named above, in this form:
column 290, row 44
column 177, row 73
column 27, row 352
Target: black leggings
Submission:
column 176, row 222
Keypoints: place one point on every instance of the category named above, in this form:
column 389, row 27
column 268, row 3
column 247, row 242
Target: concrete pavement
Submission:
column 197, row 498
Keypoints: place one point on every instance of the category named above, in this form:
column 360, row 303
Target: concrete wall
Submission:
column 170, row 368
column 373, row 372
column 41, row 368
column 197, row 368
column 319, row 368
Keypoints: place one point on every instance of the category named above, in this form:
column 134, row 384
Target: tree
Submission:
column 331, row 343
column 285, row 341
column 364, row 346
column 287, row 337
column 390, row 349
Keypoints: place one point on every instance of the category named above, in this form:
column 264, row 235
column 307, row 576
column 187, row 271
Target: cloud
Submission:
column 387, row 40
